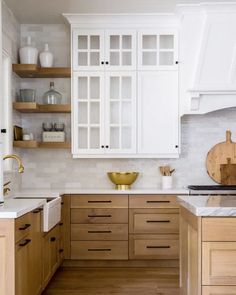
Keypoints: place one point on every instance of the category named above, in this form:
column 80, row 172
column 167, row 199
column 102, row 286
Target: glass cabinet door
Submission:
column 88, row 113
column 88, row 50
column 157, row 50
column 120, row 49
column 121, row 112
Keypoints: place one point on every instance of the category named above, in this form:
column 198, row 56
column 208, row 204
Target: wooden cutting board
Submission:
column 221, row 161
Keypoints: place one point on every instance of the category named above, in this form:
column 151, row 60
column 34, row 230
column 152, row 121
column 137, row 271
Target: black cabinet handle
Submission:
column 99, row 231
column 102, row 146
column 157, row 221
column 25, row 226
column 61, row 223
column 3, row 130
column 100, row 201
column 61, row 250
column 107, row 62
column 99, row 216
column 62, row 203
column 176, row 146
column 107, row 146
column 157, row 247
column 102, row 62
column 53, row 239
column 99, row 250
column 37, row 210
column 27, row 241
column 148, row 202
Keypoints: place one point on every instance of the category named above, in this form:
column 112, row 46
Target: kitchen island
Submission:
column 207, row 245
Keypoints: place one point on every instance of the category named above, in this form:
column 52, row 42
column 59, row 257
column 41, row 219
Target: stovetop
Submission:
column 212, row 187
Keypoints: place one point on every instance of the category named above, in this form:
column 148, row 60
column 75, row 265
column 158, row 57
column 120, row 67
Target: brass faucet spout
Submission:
column 18, row 159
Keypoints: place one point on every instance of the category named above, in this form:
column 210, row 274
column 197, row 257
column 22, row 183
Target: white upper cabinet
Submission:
column 121, row 112
column 120, row 49
column 104, row 50
column 158, row 117
column 157, row 50
column 104, row 113
column 88, row 50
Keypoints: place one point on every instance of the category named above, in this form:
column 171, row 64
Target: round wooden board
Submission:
column 219, row 154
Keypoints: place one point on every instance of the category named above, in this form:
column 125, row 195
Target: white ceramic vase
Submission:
column 28, row 54
column 46, row 58
column 166, row 182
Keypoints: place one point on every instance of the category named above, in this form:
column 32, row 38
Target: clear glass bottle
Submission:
column 52, row 96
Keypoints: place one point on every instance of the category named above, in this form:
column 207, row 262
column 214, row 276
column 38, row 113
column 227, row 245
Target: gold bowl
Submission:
column 122, row 180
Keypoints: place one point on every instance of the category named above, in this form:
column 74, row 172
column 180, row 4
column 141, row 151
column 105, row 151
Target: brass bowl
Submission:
column 122, row 180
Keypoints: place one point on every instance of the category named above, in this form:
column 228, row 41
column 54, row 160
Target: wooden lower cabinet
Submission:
column 207, row 267
column 99, row 250
column 219, row 290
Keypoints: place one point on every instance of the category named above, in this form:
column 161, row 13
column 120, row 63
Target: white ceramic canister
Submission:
column 166, row 182
column 46, row 57
column 28, row 54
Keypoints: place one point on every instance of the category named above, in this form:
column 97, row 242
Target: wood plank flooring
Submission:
column 119, row 281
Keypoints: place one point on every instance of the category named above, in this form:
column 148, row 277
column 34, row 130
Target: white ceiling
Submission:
column 49, row 11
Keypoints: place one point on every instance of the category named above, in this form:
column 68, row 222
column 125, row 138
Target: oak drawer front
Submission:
column 219, row 229
column 96, row 232
column 218, row 290
column 150, row 248
column 22, row 226
column 99, row 216
column 153, row 223
column 99, row 201
column 219, row 261
column 99, row 250
column 153, row 201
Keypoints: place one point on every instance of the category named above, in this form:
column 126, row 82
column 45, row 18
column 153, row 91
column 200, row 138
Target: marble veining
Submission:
column 209, row 205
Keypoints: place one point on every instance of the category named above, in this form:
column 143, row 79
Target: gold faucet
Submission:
column 21, row 169
column 18, row 159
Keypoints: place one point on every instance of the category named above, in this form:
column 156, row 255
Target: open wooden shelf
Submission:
column 32, row 144
column 33, row 71
column 33, row 107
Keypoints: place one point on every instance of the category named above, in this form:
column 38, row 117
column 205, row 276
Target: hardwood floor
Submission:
column 122, row 281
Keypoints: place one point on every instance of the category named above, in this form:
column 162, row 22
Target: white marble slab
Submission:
column 61, row 191
column 209, row 205
column 13, row 208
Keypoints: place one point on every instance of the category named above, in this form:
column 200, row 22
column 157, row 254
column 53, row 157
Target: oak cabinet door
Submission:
column 219, row 263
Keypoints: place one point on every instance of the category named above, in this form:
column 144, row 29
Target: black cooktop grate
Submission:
column 212, row 187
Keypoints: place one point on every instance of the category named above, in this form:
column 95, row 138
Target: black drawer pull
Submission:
column 99, row 216
column 61, row 250
column 53, row 239
column 157, row 221
column 99, row 250
column 157, row 247
column 157, row 201
column 62, row 203
column 99, row 201
column 27, row 241
column 99, row 231
column 37, row 210
column 25, row 226
column 61, row 223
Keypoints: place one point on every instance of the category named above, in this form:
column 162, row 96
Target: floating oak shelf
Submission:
column 32, row 144
column 33, row 107
column 33, row 71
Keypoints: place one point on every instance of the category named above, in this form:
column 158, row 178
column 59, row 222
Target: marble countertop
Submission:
column 14, row 208
column 61, row 191
column 209, row 205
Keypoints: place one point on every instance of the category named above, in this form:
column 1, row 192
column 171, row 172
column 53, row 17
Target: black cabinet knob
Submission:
column 3, row 130
column 107, row 146
column 107, row 62
column 102, row 62
column 102, row 146
column 176, row 62
column 176, row 146
column 53, row 239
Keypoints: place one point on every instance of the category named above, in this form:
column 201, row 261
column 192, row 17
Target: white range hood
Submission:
column 207, row 57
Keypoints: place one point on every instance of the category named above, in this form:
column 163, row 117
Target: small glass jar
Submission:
column 52, row 96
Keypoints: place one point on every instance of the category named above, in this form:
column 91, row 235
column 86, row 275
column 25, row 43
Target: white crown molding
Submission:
column 122, row 19
column 206, row 7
